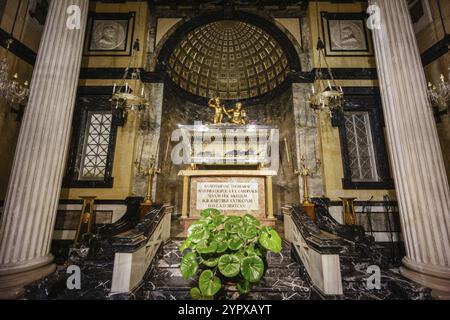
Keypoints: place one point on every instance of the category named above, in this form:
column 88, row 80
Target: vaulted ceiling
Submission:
column 228, row 58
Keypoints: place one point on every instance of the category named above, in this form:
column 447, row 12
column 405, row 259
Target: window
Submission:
column 96, row 146
column 93, row 140
column 360, row 147
column 420, row 14
column 363, row 146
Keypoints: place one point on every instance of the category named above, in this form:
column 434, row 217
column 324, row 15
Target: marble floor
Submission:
column 285, row 279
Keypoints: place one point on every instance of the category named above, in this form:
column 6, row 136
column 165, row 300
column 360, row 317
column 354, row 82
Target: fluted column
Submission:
column 418, row 166
column 30, row 207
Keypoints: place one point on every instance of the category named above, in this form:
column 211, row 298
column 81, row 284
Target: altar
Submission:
column 231, row 168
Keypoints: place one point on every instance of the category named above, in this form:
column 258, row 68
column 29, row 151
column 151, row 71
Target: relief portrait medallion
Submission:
column 347, row 35
column 109, row 35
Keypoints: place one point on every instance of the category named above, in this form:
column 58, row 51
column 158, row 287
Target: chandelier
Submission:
column 439, row 95
column 11, row 90
column 325, row 94
column 125, row 98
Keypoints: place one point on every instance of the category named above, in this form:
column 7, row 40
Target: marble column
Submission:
column 417, row 161
column 35, row 183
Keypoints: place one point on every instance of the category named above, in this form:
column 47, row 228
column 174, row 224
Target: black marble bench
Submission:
column 98, row 268
column 357, row 254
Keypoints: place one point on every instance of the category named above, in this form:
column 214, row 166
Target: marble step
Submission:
column 284, row 280
column 289, row 270
column 228, row 295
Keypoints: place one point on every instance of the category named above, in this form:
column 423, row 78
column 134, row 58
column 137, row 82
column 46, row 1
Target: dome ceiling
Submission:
column 231, row 59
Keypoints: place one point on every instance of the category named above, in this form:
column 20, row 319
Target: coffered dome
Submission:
column 232, row 59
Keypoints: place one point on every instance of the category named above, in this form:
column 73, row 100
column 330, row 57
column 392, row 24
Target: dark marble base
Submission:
column 95, row 284
column 285, row 279
column 357, row 252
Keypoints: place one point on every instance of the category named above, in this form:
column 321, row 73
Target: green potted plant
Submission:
column 226, row 249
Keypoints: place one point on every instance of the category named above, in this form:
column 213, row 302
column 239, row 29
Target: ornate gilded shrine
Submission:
column 231, row 169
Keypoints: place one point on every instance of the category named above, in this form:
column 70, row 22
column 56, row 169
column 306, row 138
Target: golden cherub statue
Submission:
column 219, row 108
column 237, row 115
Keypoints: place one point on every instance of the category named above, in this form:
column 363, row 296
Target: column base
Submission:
column 434, row 277
column 13, row 278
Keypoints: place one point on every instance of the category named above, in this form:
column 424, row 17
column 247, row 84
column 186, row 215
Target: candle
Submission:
column 288, row 156
column 167, row 149
column 442, row 78
column 313, row 89
column 329, row 84
column 315, row 150
column 126, row 87
column 156, row 154
column 114, row 90
column 142, row 92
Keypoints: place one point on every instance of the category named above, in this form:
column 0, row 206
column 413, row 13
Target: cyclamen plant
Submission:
column 229, row 249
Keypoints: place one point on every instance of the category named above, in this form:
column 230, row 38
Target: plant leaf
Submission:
column 209, row 284
column 220, row 236
column 233, row 219
column 270, row 240
column 252, row 251
column 241, row 255
column 189, row 265
column 244, row 287
column 248, row 233
column 185, row 245
column 211, row 263
column 222, row 246
column 196, row 294
column 203, row 247
column 252, row 269
column 250, row 220
column 229, row 265
column 235, row 243
column 198, row 233
column 209, row 213
column 218, row 220
column 195, row 226
column 232, row 227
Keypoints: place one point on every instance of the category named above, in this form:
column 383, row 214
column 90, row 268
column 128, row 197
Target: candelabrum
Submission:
column 306, row 172
column 348, row 209
column 325, row 95
column 11, row 90
column 440, row 94
column 86, row 219
column 124, row 98
column 150, row 173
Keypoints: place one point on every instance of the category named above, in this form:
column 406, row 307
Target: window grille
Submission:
column 360, row 147
column 96, row 145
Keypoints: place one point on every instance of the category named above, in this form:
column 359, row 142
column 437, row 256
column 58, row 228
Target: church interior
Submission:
column 224, row 149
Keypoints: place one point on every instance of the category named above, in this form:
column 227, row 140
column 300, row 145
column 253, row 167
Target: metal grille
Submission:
column 96, row 145
column 360, row 147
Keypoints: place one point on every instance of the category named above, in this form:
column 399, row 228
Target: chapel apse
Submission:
column 247, row 61
column 230, row 59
